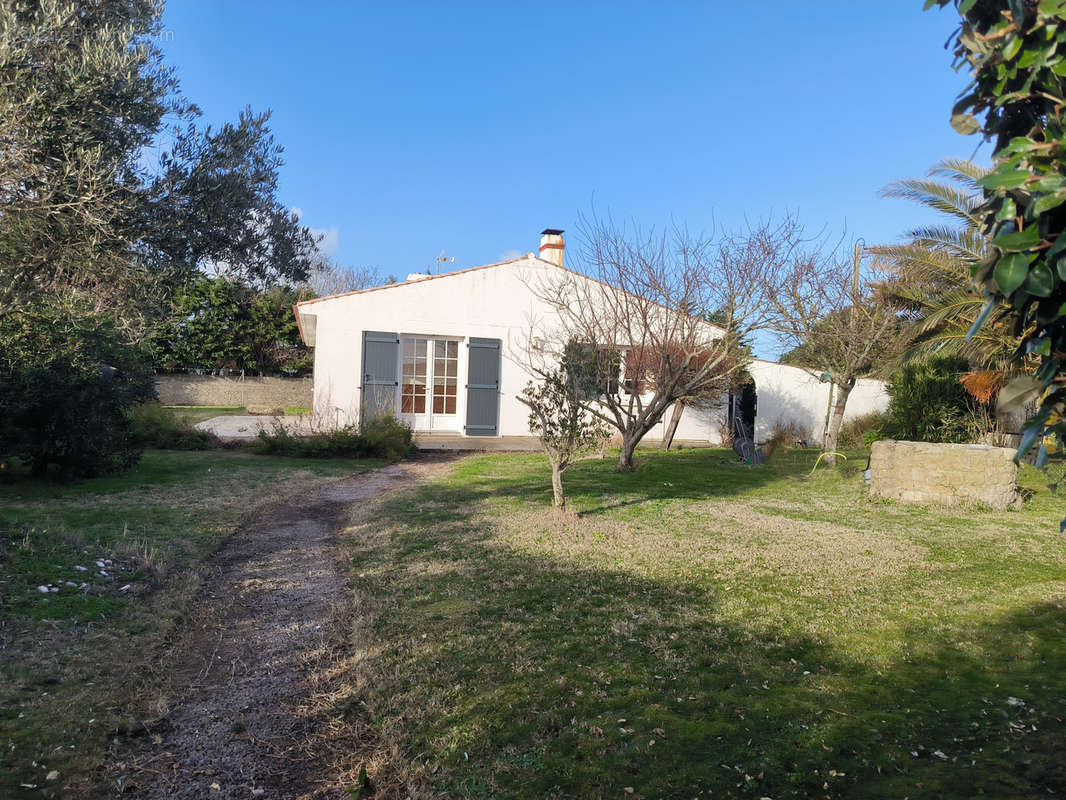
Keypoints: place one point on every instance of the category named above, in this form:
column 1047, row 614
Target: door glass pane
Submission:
column 445, row 375
column 413, row 386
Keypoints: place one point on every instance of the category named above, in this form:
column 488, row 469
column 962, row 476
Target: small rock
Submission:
column 126, row 588
column 80, row 568
column 108, row 562
column 42, row 589
column 53, row 588
column 70, row 583
column 102, row 574
column 53, row 775
column 258, row 792
column 101, row 564
column 82, row 585
column 1015, row 702
column 940, row 754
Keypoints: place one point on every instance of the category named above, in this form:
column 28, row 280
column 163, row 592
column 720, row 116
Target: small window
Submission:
column 635, row 373
column 609, row 368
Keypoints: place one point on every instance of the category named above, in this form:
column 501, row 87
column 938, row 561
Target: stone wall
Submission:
column 944, row 474
column 213, row 390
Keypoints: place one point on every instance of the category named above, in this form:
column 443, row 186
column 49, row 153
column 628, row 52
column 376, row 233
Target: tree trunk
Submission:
column 558, row 497
column 840, row 401
column 671, row 428
column 625, row 457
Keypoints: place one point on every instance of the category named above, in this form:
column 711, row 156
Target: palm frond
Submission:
column 966, row 243
column 951, row 308
column 914, row 263
column 961, row 171
column 936, row 195
column 930, row 273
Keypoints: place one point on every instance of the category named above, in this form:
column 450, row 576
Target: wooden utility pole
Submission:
column 857, row 260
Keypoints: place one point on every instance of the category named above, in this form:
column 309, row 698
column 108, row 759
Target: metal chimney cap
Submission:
column 551, row 232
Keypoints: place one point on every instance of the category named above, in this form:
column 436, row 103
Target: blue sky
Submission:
column 415, row 127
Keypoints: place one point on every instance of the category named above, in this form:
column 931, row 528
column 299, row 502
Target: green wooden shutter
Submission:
column 381, row 355
column 483, row 388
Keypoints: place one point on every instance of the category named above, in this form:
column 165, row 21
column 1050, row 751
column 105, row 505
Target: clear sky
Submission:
column 411, row 128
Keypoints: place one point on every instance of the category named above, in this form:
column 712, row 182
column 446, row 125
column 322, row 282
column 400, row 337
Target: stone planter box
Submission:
column 944, row 474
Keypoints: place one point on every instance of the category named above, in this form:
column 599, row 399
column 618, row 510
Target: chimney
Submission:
column 552, row 245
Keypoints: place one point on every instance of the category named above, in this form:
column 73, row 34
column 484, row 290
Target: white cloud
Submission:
column 331, row 240
column 507, row 255
column 331, row 237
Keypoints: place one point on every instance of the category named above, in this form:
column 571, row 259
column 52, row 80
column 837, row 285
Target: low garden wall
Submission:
column 944, row 474
column 214, row 390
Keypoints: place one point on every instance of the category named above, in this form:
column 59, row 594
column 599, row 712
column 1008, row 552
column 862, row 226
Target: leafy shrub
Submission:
column 383, row 437
column 221, row 322
column 67, row 382
column 862, row 431
column 929, row 404
column 160, row 428
column 389, row 438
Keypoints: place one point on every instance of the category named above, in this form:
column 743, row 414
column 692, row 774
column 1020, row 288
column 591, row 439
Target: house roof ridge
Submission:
column 527, row 257
column 419, row 281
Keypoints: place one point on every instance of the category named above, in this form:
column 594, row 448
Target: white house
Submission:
column 441, row 351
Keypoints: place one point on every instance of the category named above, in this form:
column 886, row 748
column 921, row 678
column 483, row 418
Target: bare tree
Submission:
column 643, row 309
column 559, row 412
column 827, row 307
column 329, row 278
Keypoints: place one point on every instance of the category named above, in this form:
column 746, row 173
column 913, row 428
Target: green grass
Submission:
column 73, row 661
column 194, row 414
column 708, row 629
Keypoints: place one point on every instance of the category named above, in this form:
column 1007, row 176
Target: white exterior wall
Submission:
column 793, row 394
column 497, row 303
column 490, row 303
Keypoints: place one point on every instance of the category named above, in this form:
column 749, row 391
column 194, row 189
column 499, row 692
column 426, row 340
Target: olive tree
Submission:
column 92, row 231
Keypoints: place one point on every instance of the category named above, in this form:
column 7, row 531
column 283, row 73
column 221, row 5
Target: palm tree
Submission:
column 931, row 284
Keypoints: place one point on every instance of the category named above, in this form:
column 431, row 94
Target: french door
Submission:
column 429, row 390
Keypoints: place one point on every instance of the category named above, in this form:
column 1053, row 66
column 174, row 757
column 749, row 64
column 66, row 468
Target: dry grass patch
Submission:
column 87, row 663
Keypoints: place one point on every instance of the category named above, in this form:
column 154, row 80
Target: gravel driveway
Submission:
column 246, row 427
column 241, row 723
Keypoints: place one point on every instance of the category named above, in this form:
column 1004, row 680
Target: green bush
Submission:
column 384, row 437
column 928, row 404
column 389, row 438
column 67, row 383
column 160, row 428
column 862, row 431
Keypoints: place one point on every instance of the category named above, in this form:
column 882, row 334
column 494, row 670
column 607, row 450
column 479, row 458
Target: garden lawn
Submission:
column 76, row 664
column 194, row 414
column 706, row 629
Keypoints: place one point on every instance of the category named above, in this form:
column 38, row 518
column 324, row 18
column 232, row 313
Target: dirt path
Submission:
column 240, row 726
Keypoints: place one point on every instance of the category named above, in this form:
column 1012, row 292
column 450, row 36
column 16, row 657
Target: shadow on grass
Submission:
column 594, row 485
column 509, row 674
